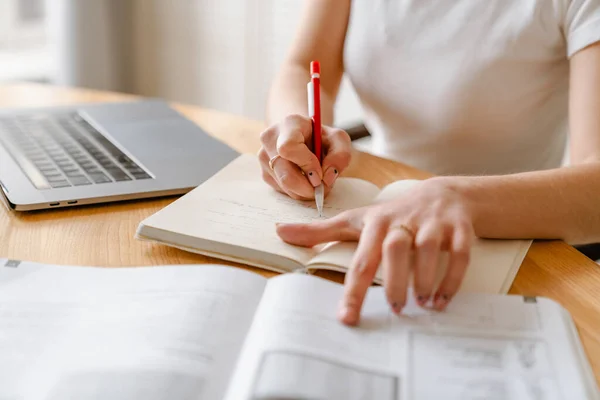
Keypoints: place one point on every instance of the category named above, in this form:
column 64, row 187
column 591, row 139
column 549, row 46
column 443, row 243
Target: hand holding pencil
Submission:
column 290, row 157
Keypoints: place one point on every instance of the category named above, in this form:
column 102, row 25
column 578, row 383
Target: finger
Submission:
column 395, row 264
column 268, row 175
column 270, row 180
column 338, row 149
column 263, row 158
column 362, row 270
column 427, row 249
column 458, row 261
column 342, row 227
column 291, row 145
column 291, row 179
column 288, row 176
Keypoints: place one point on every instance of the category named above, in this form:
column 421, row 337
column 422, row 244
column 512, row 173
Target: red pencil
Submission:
column 314, row 112
column 315, row 79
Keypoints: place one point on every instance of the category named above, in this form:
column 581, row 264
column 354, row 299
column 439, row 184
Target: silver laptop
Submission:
column 93, row 153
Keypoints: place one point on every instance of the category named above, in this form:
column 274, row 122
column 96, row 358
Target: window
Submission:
column 24, row 50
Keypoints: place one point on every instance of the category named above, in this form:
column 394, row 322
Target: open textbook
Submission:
column 217, row 332
column 232, row 216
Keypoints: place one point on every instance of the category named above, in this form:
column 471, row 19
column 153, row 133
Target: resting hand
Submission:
column 429, row 218
column 296, row 171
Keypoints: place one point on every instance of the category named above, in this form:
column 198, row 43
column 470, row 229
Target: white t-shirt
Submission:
column 467, row 86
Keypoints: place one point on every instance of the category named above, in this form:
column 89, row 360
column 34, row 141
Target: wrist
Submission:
column 468, row 192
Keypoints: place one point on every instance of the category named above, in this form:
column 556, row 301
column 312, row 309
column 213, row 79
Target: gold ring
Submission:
column 272, row 161
column 408, row 230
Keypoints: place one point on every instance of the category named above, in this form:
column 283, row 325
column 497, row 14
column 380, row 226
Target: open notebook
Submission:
column 214, row 332
column 233, row 214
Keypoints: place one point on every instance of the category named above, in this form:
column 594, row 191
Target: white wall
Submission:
column 217, row 54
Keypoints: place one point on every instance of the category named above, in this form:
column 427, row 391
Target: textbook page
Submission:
column 122, row 333
column 233, row 216
column 492, row 268
column 483, row 346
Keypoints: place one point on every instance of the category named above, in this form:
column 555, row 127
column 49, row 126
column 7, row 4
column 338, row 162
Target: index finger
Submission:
column 291, row 145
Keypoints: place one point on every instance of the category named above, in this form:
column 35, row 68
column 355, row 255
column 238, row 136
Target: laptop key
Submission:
column 59, row 184
column 73, row 173
column 118, row 174
column 88, row 166
column 79, row 180
column 49, row 171
column 42, row 165
column 141, row 175
column 53, row 175
column 99, row 177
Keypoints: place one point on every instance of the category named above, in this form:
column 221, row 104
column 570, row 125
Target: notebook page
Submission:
column 492, row 268
column 235, row 212
column 483, row 346
column 147, row 332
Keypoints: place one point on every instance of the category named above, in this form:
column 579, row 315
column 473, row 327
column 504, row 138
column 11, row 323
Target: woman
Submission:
column 481, row 93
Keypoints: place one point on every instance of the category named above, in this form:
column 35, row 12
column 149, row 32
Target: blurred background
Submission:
column 215, row 54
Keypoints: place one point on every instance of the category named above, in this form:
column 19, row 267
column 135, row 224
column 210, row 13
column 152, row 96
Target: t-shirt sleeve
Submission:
column 582, row 24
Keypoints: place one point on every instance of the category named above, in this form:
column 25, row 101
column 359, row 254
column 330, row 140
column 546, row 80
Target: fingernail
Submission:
column 314, row 179
column 330, row 176
column 441, row 301
column 396, row 307
column 422, row 300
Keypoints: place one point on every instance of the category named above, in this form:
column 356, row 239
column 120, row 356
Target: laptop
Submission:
column 104, row 152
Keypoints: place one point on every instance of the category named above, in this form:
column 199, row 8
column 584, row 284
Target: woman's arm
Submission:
column 445, row 213
column 287, row 162
column 555, row 204
column 321, row 35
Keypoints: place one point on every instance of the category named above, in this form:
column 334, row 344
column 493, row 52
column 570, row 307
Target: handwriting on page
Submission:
column 301, row 211
column 250, row 219
column 254, row 221
column 245, row 213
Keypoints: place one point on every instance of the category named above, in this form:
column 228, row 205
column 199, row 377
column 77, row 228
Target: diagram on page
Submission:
column 470, row 367
column 290, row 375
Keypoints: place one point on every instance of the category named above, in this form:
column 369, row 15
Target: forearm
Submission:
column 555, row 204
column 289, row 96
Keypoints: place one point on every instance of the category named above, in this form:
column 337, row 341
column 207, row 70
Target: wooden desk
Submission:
column 103, row 235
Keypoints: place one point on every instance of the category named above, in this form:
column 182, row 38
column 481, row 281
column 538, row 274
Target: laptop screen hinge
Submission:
column 3, row 187
column 4, row 197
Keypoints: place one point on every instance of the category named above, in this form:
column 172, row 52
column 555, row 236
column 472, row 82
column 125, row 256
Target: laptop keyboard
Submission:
column 58, row 151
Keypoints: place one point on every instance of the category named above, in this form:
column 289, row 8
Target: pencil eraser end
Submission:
column 315, row 67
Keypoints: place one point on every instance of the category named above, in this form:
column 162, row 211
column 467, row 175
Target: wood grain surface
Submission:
column 103, row 235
